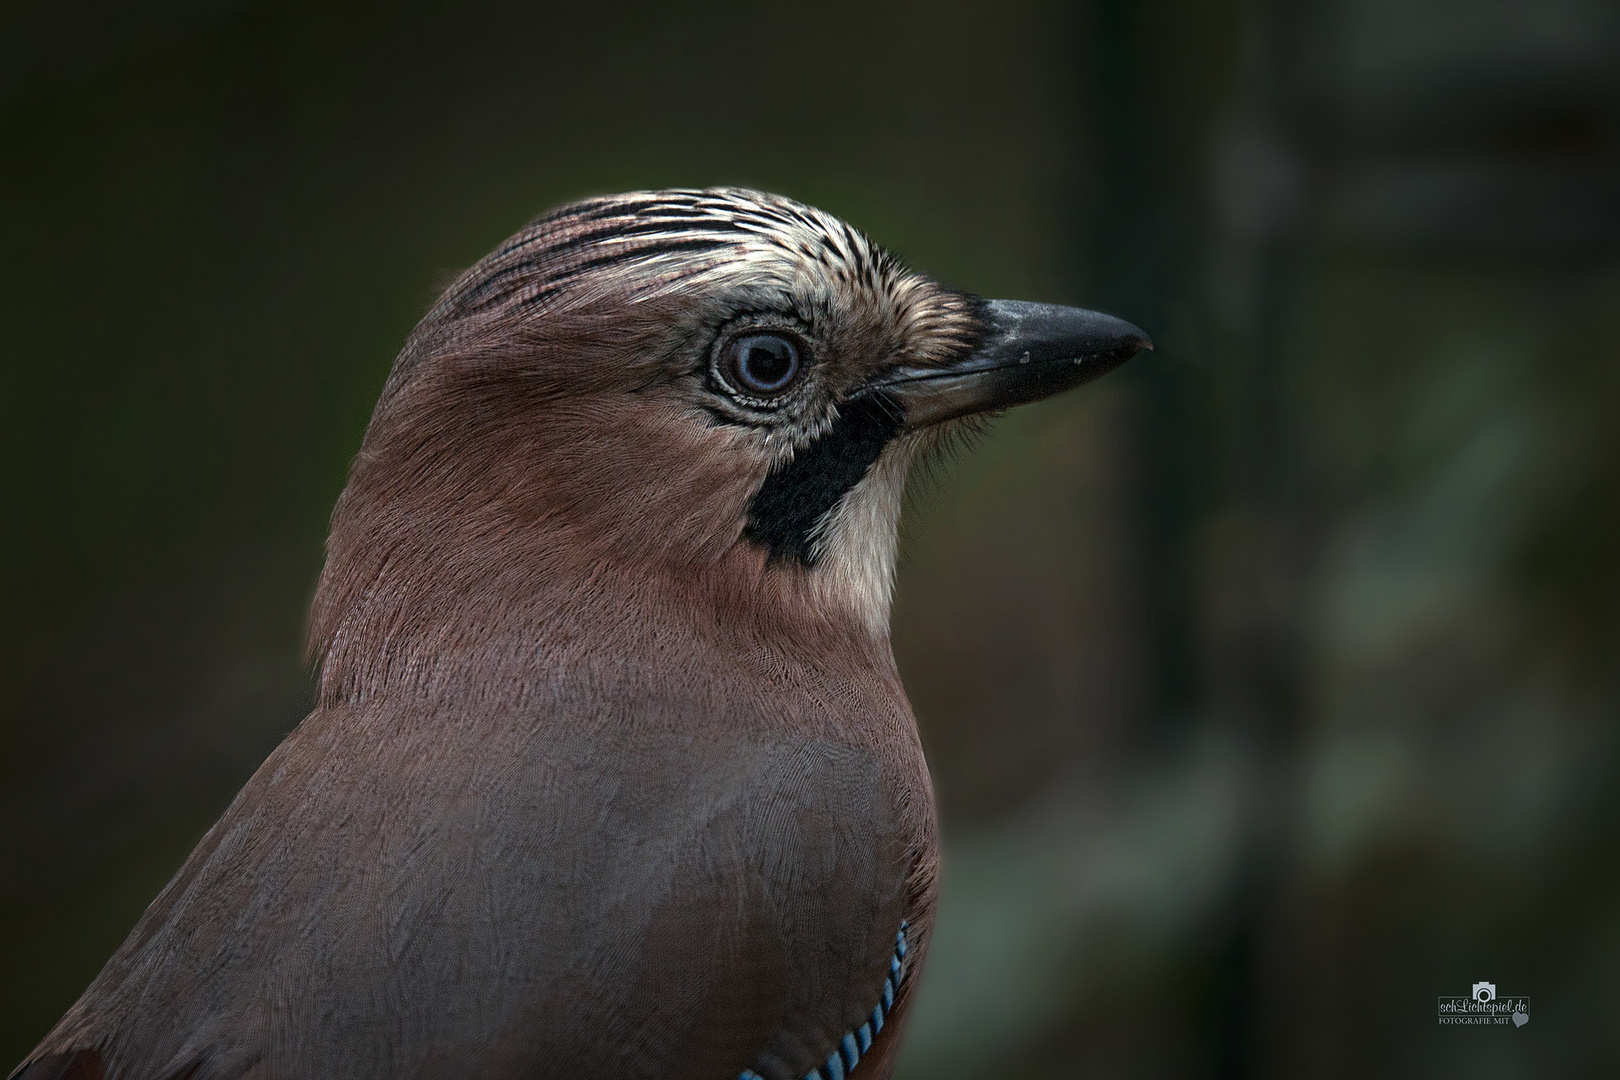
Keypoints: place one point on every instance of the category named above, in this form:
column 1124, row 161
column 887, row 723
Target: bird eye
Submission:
column 764, row 364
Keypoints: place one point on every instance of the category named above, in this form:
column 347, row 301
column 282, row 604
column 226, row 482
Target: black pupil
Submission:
column 766, row 363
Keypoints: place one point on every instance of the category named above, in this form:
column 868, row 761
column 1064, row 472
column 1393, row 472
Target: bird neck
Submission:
column 443, row 628
column 418, row 599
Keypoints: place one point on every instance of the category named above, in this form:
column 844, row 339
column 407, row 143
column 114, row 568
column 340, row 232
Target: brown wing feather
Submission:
column 78, row 1065
column 529, row 899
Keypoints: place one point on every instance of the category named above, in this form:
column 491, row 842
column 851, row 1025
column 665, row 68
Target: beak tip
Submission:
column 1135, row 341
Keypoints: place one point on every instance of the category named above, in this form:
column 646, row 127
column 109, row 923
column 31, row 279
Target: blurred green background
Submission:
column 1270, row 683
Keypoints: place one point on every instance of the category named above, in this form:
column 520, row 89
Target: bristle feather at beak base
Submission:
column 1029, row 352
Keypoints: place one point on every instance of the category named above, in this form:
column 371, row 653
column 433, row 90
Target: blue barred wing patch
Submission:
column 858, row 1041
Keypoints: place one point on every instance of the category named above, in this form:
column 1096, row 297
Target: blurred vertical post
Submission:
column 1133, row 263
column 1258, row 548
column 1213, row 270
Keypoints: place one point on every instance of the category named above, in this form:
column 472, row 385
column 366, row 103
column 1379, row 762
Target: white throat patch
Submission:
column 856, row 542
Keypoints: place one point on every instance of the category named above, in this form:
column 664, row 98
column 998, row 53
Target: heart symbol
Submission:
column 1520, row 1019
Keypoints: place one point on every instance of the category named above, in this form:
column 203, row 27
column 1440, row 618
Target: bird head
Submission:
column 699, row 402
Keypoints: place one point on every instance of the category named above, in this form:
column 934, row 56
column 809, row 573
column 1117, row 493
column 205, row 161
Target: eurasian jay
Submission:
column 611, row 773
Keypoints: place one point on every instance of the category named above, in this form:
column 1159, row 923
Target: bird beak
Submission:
column 1029, row 352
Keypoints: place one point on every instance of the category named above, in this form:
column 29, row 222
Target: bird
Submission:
column 610, row 771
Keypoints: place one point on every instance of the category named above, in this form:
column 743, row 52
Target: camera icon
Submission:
column 1484, row 991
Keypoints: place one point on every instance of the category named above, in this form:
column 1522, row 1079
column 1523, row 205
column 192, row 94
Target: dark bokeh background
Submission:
column 1270, row 683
